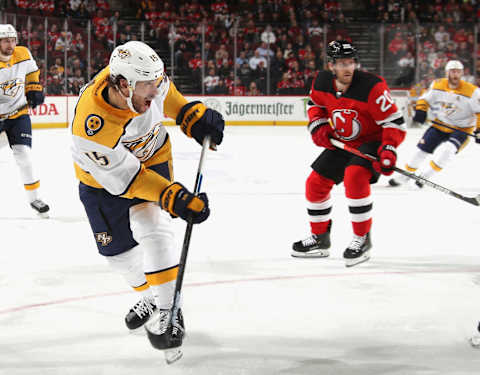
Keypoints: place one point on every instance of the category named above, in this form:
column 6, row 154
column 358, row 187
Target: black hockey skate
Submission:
column 358, row 251
column 40, row 207
column 315, row 246
column 419, row 184
column 140, row 313
column 393, row 183
column 166, row 336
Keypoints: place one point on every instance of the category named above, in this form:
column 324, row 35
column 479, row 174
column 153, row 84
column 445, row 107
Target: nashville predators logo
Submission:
column 144, row 146
column 449, row 108
column 103, row 238
column 10, row 88
column 346, row 124
column 93, row 124
column 123, row 53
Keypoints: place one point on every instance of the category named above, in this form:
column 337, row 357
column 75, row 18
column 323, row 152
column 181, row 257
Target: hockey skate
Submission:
column 358, row 251
column 140, row 313
column 41, row 208
column 165, row 336
column 394, row 183
column 475, row 339
column 315, row 246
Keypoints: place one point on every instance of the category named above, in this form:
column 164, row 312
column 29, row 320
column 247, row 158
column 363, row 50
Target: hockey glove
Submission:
column 198, row 121
column 477, row 135
column 178, row 201
column 34, row 94
column 387, row 158
column 420, row 116
column 321, row 136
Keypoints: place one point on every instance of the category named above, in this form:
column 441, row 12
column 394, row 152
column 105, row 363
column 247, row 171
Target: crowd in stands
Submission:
column 250, row 47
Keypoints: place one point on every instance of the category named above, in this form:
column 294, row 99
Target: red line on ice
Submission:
column 237, row 281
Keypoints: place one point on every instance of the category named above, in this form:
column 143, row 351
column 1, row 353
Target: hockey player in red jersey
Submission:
column 356, row 108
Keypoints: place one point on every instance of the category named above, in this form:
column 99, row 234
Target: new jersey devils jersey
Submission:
column 358, row 115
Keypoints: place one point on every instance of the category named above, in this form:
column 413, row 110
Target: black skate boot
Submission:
column 315, row 246
column 140, row 313
column 167, row 337
column 393, row 183
column 358, row 251
column 40, row 207
column 419, row 184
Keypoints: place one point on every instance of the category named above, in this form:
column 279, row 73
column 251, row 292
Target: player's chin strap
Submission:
column 128, row 98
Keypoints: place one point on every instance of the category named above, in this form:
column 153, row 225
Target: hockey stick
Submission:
column 472, row 200
column 173, row 335
column 452, row 128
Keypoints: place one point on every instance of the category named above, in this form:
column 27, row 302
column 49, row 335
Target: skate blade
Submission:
column 359, row 260
column 475, row 341
column 317, row 253
column 43, row 215
column 172, row 355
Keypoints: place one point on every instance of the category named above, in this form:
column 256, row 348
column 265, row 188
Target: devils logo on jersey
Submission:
column 346, row 124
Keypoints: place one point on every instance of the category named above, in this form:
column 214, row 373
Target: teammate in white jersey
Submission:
column 20, row 89
column 453, row 102
column 123, row 159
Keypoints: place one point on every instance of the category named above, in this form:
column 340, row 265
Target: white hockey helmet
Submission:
column 453, row 64
column 136, row 61
column 7, row 31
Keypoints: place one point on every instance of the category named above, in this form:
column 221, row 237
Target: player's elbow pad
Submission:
column 420, row 116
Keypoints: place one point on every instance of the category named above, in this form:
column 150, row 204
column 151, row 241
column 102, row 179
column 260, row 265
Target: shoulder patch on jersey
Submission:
column 362, row 84
column 324, row 81
column 93, row 124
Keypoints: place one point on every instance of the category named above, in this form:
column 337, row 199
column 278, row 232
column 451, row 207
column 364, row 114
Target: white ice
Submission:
column 249, row 307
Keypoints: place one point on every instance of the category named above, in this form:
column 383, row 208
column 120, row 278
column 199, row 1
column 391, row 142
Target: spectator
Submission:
column 221, row 88
column 242, row 58
column 253, row 90
column 211, row 81
column 264, row 50
column 268, row 37
column 407, row 70
column 255, row 60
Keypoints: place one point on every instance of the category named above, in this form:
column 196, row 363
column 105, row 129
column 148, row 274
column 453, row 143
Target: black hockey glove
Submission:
column 178, row 201
column 34, row 94
column 198, row 121
column 420, row 116
column 477, row 135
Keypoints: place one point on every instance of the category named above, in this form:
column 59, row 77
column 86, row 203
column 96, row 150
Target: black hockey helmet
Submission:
column 341, row 49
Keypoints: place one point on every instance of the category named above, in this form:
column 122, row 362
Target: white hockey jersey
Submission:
column 458, row 108
column 20, row 70
column 116, row 149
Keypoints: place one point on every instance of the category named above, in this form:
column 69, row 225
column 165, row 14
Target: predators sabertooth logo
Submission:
column 123, row 53
column 10, row 88
column 103, row 238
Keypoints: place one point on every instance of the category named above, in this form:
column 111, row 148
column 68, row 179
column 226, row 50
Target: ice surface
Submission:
column 249, row 307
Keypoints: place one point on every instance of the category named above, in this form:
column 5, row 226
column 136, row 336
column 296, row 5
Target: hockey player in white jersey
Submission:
column 20, row 89
column 122, row 156
column 454, row 103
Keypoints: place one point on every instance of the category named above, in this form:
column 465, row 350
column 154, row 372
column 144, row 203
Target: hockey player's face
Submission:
column 143, row 95
column 343, row 69
column 7, row 45
column 454, row 76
